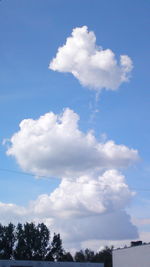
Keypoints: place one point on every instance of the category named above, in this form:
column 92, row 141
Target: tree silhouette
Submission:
column 57, row 251
column 7, row 241
column 79, row 256
column 32, row 242
column 67, row 257
column 20, row 250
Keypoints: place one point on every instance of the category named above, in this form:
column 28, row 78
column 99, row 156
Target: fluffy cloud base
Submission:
column 90, row 64
column 53, row 145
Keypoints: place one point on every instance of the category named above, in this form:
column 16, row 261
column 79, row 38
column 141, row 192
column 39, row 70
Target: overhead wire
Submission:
column 48, row 177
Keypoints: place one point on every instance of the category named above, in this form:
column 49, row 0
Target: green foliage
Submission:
column 42, row 241
column 57, row 251
column 32, row 242
column 89, row 255
column 79, row 256
column 7, row 241
column 104, row 256
column 20, row 249
column 67, row 256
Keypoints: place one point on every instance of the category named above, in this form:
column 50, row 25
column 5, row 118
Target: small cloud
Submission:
column 93, row 66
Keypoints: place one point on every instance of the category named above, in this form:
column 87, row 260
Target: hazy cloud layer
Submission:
column 53, row 145
column 91, row 64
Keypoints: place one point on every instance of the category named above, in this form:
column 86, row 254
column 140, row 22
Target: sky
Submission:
column 74, row 104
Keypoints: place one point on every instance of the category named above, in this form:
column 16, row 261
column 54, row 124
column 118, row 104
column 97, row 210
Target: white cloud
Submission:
column 86, row 196
column 92, row 192
column 11, row 213
column 53, row 145
column 89, row 63
column 109, row 226
column 81, row 211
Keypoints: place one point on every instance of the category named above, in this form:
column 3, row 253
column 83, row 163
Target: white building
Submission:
column 16, row 263
column 135, row 256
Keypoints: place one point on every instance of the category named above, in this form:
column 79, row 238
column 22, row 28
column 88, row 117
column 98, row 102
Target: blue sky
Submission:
column 31, row 33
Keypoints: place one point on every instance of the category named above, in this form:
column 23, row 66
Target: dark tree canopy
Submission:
column 32, row 242
column 56, row 248
column 104, row 256
column 19, row 251
column 7, row 241
column 79, row 256
column 67, row 257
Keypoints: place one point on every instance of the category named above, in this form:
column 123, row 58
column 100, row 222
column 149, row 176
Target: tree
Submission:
column 67, row 257
column 7, row 241
column 79, row 256
column 89, row 255
column 105, row 256
column 32, row 242
column 20, row 250
column 1, row 241
column 42, row 242
column 27, row 243
column 57, row 251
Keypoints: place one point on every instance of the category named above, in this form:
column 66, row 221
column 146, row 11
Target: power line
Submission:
column 25, row 173
column 48, row 177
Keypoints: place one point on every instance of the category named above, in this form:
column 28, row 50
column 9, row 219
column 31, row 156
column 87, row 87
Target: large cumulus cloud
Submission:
column 83, row 209
column 89, row 208
column 90, row 64
column 53, row 145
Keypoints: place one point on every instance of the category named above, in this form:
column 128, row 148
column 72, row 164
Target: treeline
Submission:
column 103, row 256
column 33, row 242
